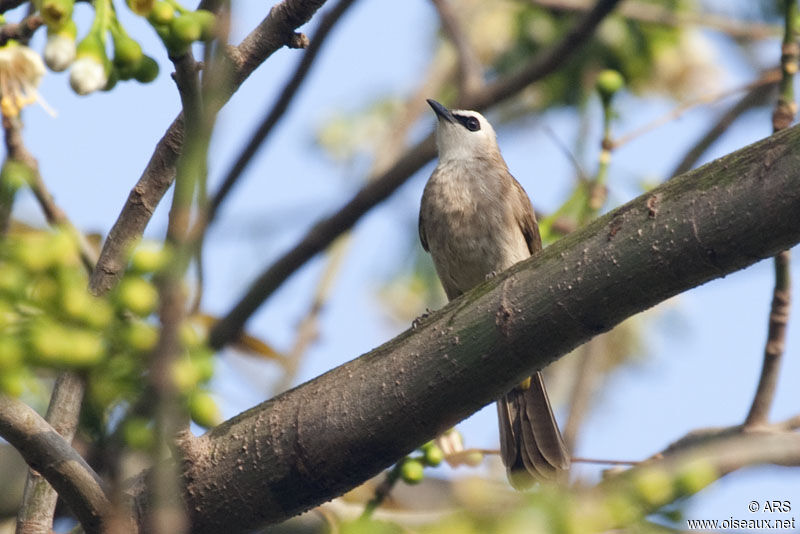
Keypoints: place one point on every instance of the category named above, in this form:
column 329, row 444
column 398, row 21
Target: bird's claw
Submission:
column 418, row 321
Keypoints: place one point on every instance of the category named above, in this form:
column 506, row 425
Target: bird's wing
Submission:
column 422, row 238
column 525, row 217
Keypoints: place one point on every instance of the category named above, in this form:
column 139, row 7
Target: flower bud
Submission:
column 127, row 52
column 59, row 52
column 137, row 295
column 89, row 72
column 57, row 13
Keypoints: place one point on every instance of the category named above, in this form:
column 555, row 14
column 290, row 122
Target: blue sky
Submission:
column 704, row 347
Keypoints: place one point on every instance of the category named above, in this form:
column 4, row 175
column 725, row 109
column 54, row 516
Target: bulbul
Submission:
column 476, row 220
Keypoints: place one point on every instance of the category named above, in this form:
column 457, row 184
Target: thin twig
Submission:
column 322, row 234
column 274, row 32
column 757, row 96
column 470, row 77
column 20, row 31
column 583, row 390
column 271, row 118
column 657, row 14
column 17, row 151
column 768, row 79
column 782, row 117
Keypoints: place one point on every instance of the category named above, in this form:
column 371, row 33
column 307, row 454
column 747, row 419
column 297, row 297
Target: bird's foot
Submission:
column 490, row 275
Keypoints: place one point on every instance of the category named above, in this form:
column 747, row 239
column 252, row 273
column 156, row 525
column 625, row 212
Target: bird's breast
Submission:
column 469, row 226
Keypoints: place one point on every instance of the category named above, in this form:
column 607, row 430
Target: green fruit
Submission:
column 12, row 382
column 140, row 7
column 412, row 471
column 77, row 303
column 208, row 24
column 186, row 29
column 137, row 433
column 609, row 82
column 148, row 257
column 10, row 353
column 137, row 295
column 185, row 374
column 696, row 475
column 127, row 52
column 654, row 486
column 203, row 409
column 15, row 174
column 161, row 13
column 433, row 455
column 140, row 336
column 146, row 71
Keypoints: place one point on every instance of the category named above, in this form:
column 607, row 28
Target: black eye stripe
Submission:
column 470, row 123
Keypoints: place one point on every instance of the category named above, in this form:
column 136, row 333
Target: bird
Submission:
column 476, row 220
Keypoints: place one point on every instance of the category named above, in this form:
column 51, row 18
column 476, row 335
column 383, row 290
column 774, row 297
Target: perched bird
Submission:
column 476, row 220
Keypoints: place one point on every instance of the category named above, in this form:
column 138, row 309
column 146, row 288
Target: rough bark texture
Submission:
column 322, row 438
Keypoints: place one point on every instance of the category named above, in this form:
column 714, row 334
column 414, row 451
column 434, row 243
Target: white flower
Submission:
column 21, row 69
column 59, row 52
column 87, row 75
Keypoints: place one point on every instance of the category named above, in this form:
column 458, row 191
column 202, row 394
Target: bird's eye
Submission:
column 472, row 124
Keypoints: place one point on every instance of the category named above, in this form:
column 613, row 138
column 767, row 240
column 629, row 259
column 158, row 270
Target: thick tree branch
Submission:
column 48, row 453
column 274, row 32
column 378, row 189
column 322, row 438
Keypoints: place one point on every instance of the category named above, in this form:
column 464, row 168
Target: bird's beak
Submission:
column 441, row 111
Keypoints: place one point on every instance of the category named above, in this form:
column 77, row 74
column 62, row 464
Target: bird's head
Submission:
column 462, row 135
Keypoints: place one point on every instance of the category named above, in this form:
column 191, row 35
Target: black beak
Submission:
column 441, row 111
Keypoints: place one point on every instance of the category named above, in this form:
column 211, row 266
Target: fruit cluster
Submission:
column 90, row 67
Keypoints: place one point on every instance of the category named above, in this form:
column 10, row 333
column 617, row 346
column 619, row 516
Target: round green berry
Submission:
column 137, row 295
column 412, row 471
column 609, row 82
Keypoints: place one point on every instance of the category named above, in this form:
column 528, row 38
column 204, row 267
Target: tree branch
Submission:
column 39, row 500
column 320, row 439
column 275, row 114
column 758, row 95
column 48, row 453
column 325, row 231
column 275, row 31
column 657, row 14
column 470, row 73
column 782, row 117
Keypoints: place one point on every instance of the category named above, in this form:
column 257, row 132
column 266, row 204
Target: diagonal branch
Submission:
column 324, row 437
column 378, row 189
column 48, row 453
column 274, row 32
column 470, row 73
column 277, row 111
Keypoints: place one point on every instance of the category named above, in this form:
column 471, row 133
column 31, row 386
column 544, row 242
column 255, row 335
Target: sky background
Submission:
column 704, row 348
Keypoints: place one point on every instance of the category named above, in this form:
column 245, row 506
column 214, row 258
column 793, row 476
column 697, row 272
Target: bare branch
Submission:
column 280, row 106
column 39, row 500
column 757, row 96
column 48, row 453
column 274, row 32
column 324, row 437
column 657, row 14
column 325, row 231
column 470, row 73
column 782, row 117
column 20, row 31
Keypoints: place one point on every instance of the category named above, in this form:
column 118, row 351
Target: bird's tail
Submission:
column 531, row 445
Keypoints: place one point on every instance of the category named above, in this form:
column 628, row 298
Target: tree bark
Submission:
column 321, row 439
